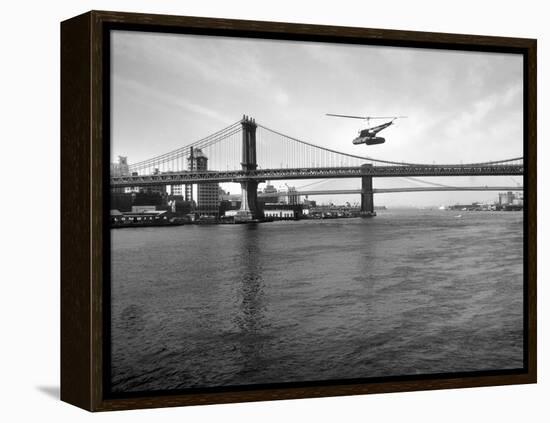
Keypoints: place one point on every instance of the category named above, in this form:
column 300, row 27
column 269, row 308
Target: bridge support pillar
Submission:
column 249, row 199
column 367, row 197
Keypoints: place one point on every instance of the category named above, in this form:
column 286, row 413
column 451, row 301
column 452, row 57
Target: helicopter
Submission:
column 368, row 136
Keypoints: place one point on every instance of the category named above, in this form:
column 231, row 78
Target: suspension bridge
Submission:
column 249, row 153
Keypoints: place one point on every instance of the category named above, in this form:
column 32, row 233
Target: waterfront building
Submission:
column 283, row 211
column 179, row 206
column 155, row 189
column 146, row 198
column 229, row 202
column 293, row 197
column 177, row 190
column 143, row 209
column 271, row 195
column 121, row 167
column 141, row 217
column 207, row 195
column 505, row 198
column 309, row 203
column 510, row 198
column 518, row 199
column 133, row 190
column 280, row 214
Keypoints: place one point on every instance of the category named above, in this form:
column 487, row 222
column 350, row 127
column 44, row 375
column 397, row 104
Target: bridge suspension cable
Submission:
column 373, row 160
column 177, row 157
column 275, row 150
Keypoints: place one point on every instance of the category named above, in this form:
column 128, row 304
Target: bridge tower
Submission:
column 249, row 198
column 367, row 197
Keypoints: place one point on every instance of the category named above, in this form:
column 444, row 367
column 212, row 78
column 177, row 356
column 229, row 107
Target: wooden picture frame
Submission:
column 84, row 220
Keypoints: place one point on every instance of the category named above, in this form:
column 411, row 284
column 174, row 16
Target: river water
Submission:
column 407, row 292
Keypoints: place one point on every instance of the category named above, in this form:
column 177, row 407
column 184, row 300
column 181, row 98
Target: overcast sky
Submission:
column 170, row 90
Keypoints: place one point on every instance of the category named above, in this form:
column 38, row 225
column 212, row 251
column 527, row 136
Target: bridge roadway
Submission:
column 197, row 177
column 391, row 190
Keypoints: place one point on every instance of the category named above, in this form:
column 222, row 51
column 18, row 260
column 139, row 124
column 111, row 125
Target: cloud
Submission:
column 168, row 100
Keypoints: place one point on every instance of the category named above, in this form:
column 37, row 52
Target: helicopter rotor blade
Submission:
column 347, row 116
column 386, row 117
column 366, row 117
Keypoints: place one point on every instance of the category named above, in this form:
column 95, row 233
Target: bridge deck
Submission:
column 197, row 177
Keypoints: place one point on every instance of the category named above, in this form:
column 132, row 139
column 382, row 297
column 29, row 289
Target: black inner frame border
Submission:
column 107, row 27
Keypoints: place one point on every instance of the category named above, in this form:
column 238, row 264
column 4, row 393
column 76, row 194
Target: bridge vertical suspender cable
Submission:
column 275, row 150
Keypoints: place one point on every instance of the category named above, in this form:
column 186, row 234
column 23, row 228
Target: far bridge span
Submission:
column 389, row 190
